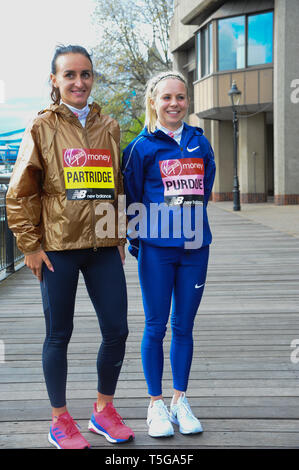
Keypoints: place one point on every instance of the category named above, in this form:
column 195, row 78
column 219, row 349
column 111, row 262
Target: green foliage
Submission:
column 127, row 136
column 133, row 45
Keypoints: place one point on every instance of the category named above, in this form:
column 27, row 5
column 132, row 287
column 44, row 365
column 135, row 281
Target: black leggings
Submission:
column 105, row 281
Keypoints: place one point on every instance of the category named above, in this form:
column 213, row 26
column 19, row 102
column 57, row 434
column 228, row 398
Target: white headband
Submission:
column 170, row 75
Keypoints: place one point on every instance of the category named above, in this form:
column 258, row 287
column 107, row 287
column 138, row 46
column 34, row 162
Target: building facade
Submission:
column 256, row 44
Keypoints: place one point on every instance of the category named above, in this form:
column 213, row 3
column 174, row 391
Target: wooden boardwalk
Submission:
column 243, row 384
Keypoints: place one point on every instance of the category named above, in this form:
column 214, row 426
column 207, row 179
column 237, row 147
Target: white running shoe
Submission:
column 158, row 420
column 181, row 414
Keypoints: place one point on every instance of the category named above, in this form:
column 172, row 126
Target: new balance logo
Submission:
column 79, row 194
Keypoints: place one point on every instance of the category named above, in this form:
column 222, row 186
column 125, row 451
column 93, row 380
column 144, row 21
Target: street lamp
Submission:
column 235, row 95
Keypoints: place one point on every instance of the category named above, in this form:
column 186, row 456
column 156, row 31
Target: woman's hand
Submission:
column 122, row 253
column 35, row 262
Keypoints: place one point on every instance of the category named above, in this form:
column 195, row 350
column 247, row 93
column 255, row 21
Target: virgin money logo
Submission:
column 75, row 157
column 171, row 167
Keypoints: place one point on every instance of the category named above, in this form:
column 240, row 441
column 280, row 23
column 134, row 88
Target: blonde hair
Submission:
column 151, row 93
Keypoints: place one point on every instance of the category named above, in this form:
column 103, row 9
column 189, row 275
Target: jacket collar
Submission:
column 63, row 110
column 157, row 133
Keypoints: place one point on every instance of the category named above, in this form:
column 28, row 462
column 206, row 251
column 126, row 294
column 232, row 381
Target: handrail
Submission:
column 5, row 178
column 9, row 252
column 6, row 134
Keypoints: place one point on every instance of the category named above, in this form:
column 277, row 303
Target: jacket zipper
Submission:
column 93, row 222
column 181, row 148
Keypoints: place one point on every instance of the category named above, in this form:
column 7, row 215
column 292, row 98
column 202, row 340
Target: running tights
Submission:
column 105, row 281
column 177, row 275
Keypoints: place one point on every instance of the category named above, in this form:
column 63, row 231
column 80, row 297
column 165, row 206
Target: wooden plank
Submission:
column 205, row 440
column 229, row 425
column 195, row 385
column 140, row 392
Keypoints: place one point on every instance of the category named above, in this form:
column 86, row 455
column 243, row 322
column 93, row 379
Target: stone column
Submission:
column 286, row 102
column 222, row 143
column 252, row 159
column 206, row 124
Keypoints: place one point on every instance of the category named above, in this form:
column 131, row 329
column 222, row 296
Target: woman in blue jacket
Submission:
column 168, row 173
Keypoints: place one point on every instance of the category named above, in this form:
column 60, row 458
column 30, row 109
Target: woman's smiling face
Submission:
column 74, row 78
column 171, row 103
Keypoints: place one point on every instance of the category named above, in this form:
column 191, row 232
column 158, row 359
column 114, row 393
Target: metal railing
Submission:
column 10, row 255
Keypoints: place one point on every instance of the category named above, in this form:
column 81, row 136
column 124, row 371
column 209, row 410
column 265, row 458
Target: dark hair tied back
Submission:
column 62, row 50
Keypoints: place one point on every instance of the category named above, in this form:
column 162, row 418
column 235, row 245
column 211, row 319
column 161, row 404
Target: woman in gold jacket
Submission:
column 63, row 207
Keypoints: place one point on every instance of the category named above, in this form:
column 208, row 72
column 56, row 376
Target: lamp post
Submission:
column 235, row 95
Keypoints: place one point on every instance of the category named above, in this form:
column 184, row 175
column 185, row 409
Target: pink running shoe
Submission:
column 65, row 434
column 110, row 424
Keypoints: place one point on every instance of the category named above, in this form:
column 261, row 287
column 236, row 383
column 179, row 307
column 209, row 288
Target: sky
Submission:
column 29, row 33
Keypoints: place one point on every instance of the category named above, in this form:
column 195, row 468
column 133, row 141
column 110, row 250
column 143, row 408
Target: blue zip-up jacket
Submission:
column 158, row 170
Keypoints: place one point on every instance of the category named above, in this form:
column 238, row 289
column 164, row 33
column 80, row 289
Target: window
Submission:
column 205, row 51
column 210, row 48
column 231, row 43
column 191, row 76
column 260, row 34
column 244, row 41
column 198, row 56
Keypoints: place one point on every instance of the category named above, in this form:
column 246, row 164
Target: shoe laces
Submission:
column 115, row 416
column 184, row 409
column 70, row 425
column 160, row 410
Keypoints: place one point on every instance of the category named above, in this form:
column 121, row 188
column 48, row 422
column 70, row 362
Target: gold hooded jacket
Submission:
column 38, row 210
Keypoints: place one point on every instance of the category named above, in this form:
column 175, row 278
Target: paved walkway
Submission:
column 282, row 218
column 243, row 384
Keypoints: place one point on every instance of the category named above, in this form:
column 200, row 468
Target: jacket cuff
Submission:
column 26, row 253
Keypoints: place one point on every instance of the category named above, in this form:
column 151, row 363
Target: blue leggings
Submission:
column 170, row 274
column 105, row 281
